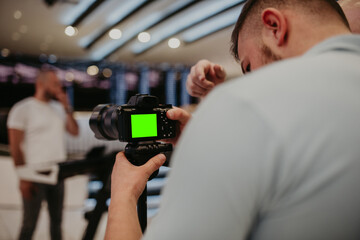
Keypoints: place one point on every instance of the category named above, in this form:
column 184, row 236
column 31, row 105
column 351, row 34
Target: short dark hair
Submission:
column 252, row 7
column 43, row 71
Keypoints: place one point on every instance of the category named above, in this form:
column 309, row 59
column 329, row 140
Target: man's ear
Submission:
column 275, row 26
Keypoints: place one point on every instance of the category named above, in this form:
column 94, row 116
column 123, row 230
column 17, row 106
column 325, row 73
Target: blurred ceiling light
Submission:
column 5, row 52
column 143, row 24
column 52, row 58
column 70, row 31
column 69, row 76
column 15, row 36
column 76, row 11
column 213, row 25
column 107, row 72
column 115, row 33
column 23, row 29
column 144, row 37
column 174, row 43
column 17, row 14
column 123, row 11
column 187, row 19
column 92, row 70
column 117, row 15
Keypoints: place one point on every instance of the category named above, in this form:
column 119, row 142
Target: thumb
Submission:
column 154, row 164
column 178, row 114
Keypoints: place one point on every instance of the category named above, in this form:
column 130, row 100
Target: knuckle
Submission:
column 203, row 61
column 119, row 155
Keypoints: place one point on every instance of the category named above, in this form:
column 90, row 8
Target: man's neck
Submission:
column 41, row 97
column 307, row 38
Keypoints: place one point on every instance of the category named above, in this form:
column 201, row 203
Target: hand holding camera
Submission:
column 129, row 181
column 182, row 117
column 141, row 123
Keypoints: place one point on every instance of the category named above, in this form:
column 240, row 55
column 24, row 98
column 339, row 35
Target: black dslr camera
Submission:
column 140, row 122
column 142, row 119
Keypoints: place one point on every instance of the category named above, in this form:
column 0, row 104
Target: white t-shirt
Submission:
column 274, row 155
column 44, row 130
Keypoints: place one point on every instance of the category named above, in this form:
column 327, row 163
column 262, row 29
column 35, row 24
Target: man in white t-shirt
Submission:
column 37, row 128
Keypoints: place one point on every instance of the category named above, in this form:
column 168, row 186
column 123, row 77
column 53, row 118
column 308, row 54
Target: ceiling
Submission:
column 33, row 27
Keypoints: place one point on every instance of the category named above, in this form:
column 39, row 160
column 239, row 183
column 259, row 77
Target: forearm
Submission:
column 17, row 156
column 15, row 139
column 123, row 223
column 127, row 184
column 71, row 124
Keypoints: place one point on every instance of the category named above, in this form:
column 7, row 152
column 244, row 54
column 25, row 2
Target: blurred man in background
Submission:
column 37, row 127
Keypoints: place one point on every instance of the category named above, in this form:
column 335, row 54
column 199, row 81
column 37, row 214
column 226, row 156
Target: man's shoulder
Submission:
column 18, row 113
column 293, row 85
column 24, row 103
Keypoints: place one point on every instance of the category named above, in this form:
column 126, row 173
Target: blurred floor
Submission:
column 74, row 222
column 73, row 225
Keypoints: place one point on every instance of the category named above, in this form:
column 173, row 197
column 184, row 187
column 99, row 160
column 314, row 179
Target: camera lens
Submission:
column 104, row 121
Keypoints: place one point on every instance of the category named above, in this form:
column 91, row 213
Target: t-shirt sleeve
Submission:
column 215, row 186
column 17, row 117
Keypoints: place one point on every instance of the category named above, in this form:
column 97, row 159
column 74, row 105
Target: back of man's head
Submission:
column 249, row 22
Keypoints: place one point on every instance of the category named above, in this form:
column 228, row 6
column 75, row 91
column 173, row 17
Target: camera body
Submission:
column 142, row 119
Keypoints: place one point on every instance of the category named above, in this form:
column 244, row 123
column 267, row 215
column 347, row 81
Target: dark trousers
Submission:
column 54, row 195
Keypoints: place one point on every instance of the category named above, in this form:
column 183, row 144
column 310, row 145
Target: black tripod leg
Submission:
column 142, row 210
column 95, row 217
column 100, row 208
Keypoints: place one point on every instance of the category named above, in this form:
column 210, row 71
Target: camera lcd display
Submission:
column 143, row 125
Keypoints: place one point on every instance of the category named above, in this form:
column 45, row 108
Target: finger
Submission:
column 199, row 94
column 201, row 81
column 204, row 83
column 197, row 71
column 121, row 161
column 195, row 90
column 193, row 87
column 154, row 164
column 178, row 114
column 120, row 155
column 121, row 158
column 219, row 71
column 198, row 74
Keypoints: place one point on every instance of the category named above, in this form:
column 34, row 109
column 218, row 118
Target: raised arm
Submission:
column 71, row 124
column 203, row 77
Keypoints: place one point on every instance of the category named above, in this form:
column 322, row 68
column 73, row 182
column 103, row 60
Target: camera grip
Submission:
column 139, row 154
